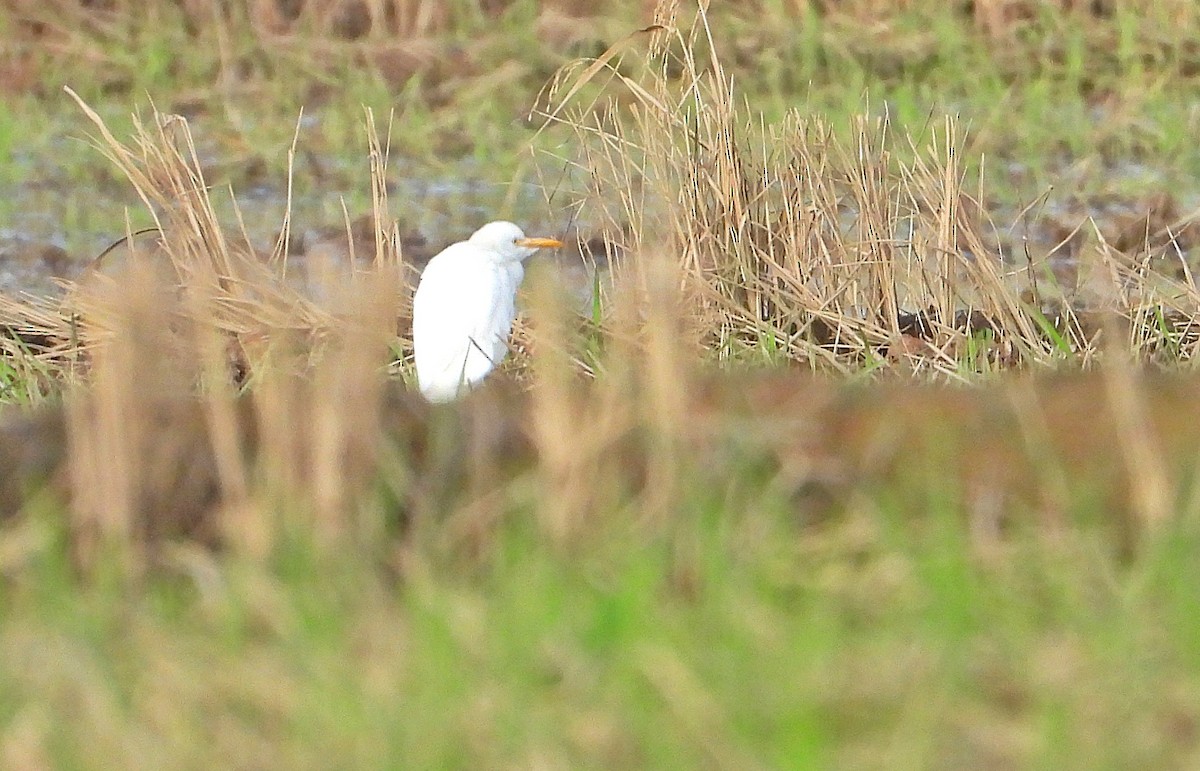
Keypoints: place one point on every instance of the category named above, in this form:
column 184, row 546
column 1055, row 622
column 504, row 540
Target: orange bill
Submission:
column 539, row 243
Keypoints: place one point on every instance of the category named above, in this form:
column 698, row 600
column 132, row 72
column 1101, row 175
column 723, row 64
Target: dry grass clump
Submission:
column 153, row 344
column 799, row 244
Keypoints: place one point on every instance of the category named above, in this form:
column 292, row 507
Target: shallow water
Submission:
column 56, row 215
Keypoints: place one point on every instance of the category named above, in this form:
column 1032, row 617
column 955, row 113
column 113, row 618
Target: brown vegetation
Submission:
column 143, row 463
column 352, row 19
column 737, row 242
column 833, row 252
column 400, row 38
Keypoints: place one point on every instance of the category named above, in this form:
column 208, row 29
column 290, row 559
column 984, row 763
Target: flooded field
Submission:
column 53, row 229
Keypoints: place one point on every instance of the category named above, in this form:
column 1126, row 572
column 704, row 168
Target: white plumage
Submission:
column 465, row 305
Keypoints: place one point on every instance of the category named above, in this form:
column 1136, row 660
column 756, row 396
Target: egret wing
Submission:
column 460, row 326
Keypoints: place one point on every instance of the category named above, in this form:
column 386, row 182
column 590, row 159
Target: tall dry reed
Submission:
column 800, row 244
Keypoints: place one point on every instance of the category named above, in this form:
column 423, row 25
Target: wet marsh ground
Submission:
column 872, row 450
column 1071, row 114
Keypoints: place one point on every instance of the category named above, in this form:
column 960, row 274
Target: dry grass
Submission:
column 197, row 311
column 799, row 245
column 743, row 242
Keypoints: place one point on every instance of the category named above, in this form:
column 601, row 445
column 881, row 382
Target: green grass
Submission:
column 738, row 636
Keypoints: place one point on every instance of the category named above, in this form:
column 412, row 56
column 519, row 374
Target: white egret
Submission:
column 465, row 305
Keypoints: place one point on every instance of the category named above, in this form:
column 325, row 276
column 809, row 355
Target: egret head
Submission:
column 508, row 242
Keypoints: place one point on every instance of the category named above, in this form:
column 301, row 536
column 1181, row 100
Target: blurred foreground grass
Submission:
column 878, row 640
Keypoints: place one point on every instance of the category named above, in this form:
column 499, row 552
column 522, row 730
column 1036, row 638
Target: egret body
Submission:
column 465, row 305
